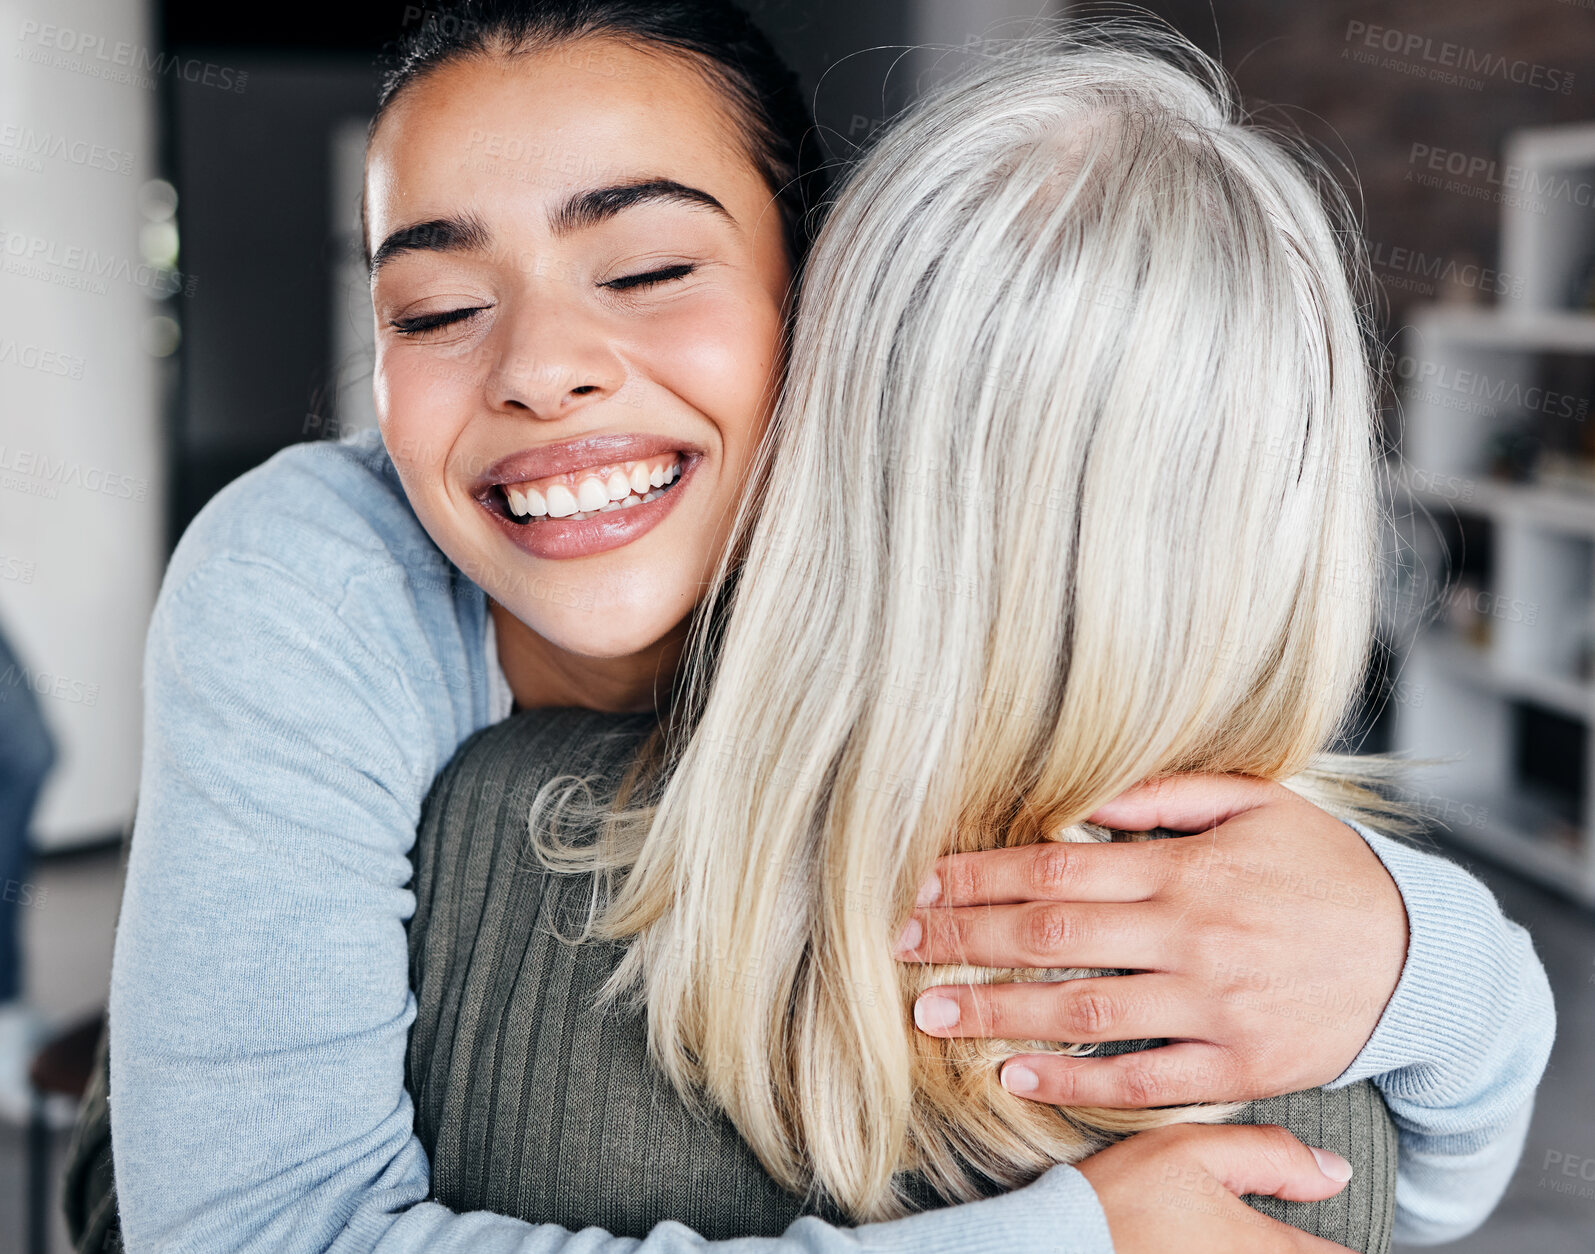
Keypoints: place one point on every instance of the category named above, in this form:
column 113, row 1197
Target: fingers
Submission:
column 1171, row 1075
column 1186, row 803
column 1297, row 1242
column 1102, row 1008
column 1178, row 1188
column 1051, row 870
column 1040, row 934
column 1267, row 1160
column 1267, row 1235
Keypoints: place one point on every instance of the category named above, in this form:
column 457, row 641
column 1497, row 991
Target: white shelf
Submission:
column 1468, row 378
column 1506, row 327
column 1537, row 857
column 1555, row 509
column 1474, row 665
column 1551, row 147
column 1547, row 230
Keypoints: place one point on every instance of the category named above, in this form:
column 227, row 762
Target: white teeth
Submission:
column 561, row 504
column 621, row 490
column 591, row 494
column 525, row 501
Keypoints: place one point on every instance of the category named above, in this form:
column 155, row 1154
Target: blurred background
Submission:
column 180, row 297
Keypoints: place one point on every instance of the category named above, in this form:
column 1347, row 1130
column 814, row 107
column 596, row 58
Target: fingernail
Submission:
column 932, row 1012
column 911, row 935
column 1332, row 1165
column 1018, row 1078
column 929, row 891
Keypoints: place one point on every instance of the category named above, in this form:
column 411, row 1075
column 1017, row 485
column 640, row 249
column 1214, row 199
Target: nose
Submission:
column 552, row 360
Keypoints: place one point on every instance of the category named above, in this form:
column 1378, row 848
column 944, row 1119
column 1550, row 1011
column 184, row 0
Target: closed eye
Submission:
column 423, row 323
column 629, row 281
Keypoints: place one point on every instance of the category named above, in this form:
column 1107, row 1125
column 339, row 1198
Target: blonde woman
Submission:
column 1073, row 489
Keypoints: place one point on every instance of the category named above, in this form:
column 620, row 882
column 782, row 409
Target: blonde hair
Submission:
column 1072, row 487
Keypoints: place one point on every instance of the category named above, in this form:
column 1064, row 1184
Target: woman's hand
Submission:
column 1179, row 1188
column 1264, row 949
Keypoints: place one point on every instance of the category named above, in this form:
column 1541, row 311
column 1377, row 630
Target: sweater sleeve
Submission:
column 1460, row 1049
column 260, row 1000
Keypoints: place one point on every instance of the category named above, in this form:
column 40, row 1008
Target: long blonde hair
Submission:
column 1072, row 487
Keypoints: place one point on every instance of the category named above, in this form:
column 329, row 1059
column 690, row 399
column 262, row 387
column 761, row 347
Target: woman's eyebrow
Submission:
column 584, row 209
column 462, row 234
column 599, row 204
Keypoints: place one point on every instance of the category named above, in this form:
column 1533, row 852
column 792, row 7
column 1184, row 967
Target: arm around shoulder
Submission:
column 260, row 1002
column 1460, row 1049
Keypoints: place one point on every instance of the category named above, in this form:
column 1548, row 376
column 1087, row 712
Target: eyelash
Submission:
column 665, row 274
column 434, row 322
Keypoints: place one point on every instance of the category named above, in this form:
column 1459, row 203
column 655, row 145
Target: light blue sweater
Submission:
column 312, row 663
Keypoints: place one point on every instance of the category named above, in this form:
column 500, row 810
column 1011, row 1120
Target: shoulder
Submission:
column 476, row 812
column 308, row 585
column 474, row 819
column 322, row 516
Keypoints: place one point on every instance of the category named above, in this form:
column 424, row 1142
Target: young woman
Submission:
column 581, row 247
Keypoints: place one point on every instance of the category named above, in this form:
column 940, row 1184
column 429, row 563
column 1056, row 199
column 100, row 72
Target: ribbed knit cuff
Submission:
column 1057, row 1214
column 1461, row 970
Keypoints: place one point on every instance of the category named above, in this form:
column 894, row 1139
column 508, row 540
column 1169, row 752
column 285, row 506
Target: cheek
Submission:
column 423, row 403
column 718, row 360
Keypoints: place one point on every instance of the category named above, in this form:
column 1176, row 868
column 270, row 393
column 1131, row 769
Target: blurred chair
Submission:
column 27, row 752
column 59, row 1076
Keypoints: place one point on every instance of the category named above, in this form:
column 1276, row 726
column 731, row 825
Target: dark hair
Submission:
column 778, row 129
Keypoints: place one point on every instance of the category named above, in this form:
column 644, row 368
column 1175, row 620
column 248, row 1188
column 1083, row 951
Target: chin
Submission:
column 581, row 619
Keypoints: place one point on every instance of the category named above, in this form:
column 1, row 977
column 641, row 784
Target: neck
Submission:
column 542, row 675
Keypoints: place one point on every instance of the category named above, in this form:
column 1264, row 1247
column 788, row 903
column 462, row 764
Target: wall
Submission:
column 81, row 483
column 1401, row 120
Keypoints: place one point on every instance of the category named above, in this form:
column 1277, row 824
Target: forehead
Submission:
column 511, row 131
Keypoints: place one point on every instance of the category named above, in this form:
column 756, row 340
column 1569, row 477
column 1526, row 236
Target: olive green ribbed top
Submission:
column 532, row 1104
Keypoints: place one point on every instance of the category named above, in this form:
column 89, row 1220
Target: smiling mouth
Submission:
column 586, row 493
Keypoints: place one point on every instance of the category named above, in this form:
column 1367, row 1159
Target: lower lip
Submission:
column 559, row 540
